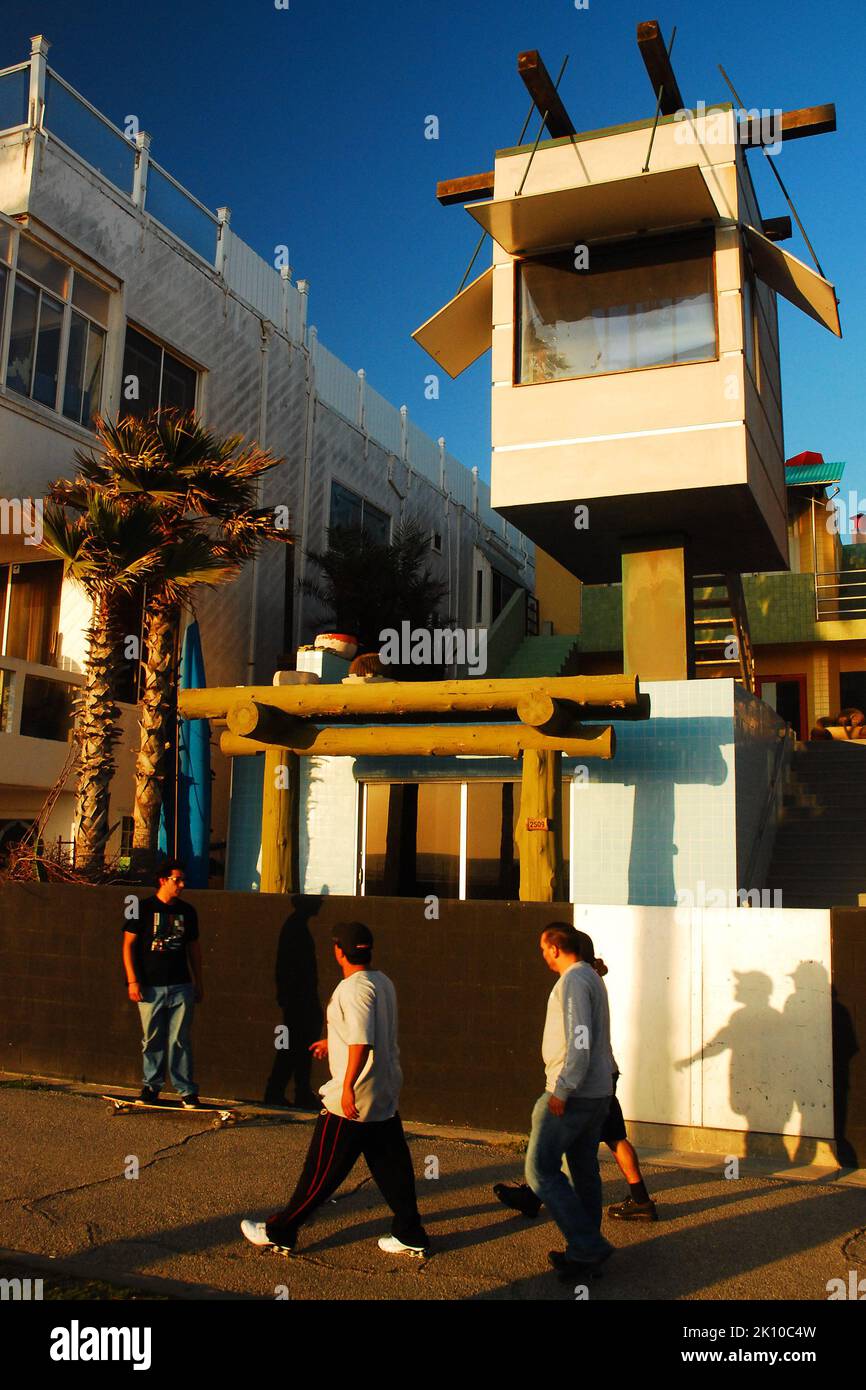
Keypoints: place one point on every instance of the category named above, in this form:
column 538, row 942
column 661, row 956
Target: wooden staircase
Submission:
column 721, row 643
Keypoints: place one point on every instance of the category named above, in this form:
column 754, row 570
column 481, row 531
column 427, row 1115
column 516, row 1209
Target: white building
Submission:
column 110, row 269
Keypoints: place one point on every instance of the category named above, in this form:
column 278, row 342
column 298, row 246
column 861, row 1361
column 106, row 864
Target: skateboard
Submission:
column 122, row 1105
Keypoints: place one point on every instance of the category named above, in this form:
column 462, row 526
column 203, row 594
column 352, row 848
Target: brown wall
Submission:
column 472, row 990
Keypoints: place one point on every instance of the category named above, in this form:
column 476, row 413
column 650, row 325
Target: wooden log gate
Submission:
column 551, row 714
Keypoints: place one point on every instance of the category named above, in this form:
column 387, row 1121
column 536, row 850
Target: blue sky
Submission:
column 309, row 122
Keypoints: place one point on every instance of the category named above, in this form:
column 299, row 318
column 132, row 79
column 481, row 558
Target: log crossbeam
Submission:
column 442, row 740
column 609, row 697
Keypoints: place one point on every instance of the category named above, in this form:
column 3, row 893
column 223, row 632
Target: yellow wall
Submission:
column 558, row 594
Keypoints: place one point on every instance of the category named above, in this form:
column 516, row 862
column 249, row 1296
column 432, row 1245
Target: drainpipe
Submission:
column 308, row 345
column 814, row 553
column 262, row 430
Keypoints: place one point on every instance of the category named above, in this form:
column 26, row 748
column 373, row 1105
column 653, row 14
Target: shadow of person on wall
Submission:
column 297, row 983
column 761, row 1082
column 811, row 987
column 845, row 1049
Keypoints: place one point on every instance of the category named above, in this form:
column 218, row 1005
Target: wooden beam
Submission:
column 466, row 189
column 540, row 86
column 443, row 740
column 793, row 125
column 539, row 828
column 658, row 65
column 777, row 228
column 279, row 822
column 550, row 716
column 559, row 716
column 269, row 724
column 412, row 697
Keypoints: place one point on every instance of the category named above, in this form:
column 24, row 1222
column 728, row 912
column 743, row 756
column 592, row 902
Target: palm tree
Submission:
column 109, row 552
column 203, row 489
column 366, row 586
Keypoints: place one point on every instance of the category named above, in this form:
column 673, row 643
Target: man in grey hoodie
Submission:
column 568, row 1117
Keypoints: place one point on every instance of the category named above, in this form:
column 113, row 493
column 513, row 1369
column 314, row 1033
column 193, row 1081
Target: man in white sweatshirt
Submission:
column 569, row 1116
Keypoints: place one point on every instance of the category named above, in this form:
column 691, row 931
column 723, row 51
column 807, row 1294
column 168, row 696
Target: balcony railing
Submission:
column 36, row 701
column 840, row 594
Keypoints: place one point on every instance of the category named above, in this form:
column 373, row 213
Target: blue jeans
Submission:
column 166, row 1018
column 575, row 1206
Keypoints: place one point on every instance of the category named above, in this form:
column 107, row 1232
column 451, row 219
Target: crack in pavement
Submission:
column 30, row 1204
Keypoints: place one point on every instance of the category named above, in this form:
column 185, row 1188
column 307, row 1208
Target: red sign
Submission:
column 539, row 823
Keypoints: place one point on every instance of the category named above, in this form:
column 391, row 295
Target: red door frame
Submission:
column 801, row 681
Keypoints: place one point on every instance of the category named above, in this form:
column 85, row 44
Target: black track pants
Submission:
column 335, row 1148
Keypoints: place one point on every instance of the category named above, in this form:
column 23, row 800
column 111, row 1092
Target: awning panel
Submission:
column 793, row 280
column 618, row 207
column 459, row 333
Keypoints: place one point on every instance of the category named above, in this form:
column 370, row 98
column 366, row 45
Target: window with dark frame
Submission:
column 57, row 330
column 645, row 304
column 355, row 513
column 154, row 378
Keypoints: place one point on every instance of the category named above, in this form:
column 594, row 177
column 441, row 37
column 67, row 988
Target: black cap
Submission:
column 353, row 936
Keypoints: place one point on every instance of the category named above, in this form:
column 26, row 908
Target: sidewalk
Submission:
column 66, row 1205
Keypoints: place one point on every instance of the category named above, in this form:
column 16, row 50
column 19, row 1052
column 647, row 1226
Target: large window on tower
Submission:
column 645, row 304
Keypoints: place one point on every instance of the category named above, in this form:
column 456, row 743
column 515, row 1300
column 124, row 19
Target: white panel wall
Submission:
column 720, row 1018
column 328, row 825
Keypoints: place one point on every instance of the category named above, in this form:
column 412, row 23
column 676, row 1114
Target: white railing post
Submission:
column 475, row 489
column 39, row 47
column 404, row 433
column 224, row 217
column 304, row 292
column 142, row 164
column 441, row 443
column 285, row 295
column 361, row 416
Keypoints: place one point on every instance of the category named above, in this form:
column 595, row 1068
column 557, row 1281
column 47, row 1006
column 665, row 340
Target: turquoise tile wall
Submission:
column 661, row 816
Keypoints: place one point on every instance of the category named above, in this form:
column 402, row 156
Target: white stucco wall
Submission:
column 720, row 1018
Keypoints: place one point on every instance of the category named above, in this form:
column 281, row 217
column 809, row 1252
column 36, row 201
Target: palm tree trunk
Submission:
column 152, row 764
column 96, row 732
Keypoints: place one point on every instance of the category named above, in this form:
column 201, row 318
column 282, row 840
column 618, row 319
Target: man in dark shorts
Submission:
column 638, row 1206
column 162, row 959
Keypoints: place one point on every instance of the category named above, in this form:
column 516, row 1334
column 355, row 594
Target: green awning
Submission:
column 814, row 473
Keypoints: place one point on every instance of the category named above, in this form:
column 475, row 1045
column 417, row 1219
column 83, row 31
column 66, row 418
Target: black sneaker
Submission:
column 149, row 1096
column 563, row 1265
column 519, row 1197
column 190, row 1103
column 630, row 1210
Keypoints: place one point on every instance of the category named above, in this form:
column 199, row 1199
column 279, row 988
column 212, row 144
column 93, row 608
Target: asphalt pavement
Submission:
column 153, row 1201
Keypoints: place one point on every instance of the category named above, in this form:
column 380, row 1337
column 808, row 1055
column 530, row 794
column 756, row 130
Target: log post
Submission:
column 279, row 822
column 539, row 827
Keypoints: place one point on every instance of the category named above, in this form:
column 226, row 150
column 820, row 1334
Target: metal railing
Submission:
column 840, row 594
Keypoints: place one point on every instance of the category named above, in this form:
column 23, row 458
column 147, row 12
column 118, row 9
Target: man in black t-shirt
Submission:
column 162, row 959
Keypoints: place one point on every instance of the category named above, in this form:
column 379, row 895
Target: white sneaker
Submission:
column 392, row 1246
column 255, row 1232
